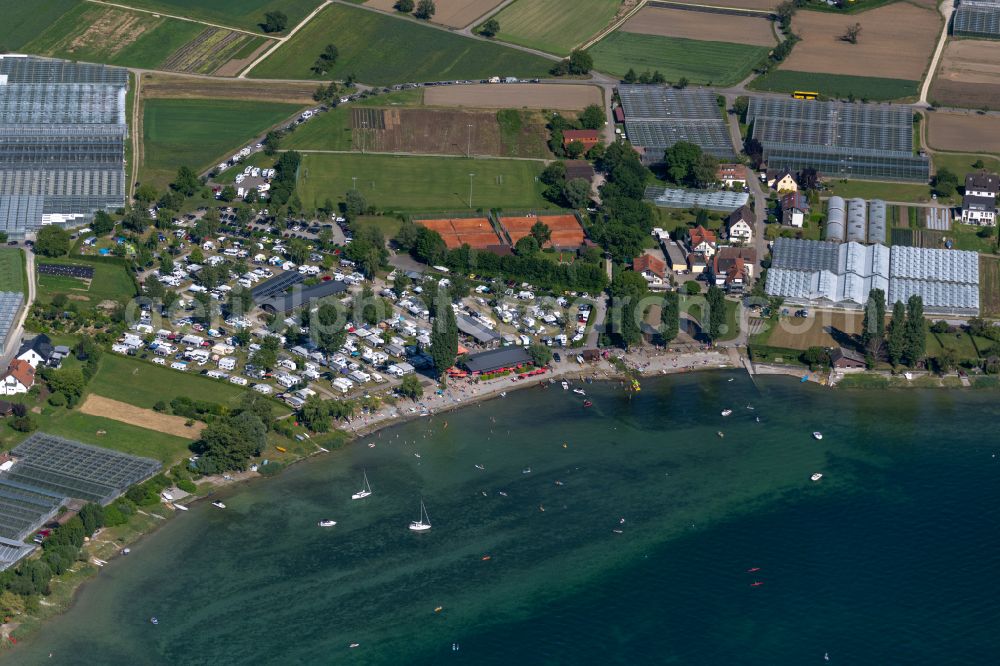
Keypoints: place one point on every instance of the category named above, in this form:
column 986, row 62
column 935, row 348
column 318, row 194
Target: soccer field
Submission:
column 394, row 182
column 555, row 26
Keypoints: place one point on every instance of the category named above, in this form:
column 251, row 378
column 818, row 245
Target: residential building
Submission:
column 732, row 175
column 794, row 209
column 979, row 204
column 652, row 268
column 20, row 378
column 589, row 138
column 733, row 267
column 37, row 351
column 782, row 181
column 702, row 241
column 739, row 225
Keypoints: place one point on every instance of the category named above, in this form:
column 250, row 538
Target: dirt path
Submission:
column 947, row 7
column 136, row 134
column 96, row 405
column 179, row 18
column 282, row 40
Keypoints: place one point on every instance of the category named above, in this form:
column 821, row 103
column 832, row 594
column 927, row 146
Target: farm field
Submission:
column 172, row 86
column 24, row 21
column 508, row 133
column 989, row 286
column 116, row 410
column 554, row 26
column 515, row 95
column 111, row 434
column 822, row 329
column 197, row 132
column 12, row 270
column 963, row 133
column 382, row 50
column 761, row 5
column 837, row 85
column 101, row 33
column 245, row 14
column 896, row 42
column 968, row 76
column 111, row 282
column 421, row 183
column 451, row 13
column 703, row 26
column 212, row 49
column 717, row 63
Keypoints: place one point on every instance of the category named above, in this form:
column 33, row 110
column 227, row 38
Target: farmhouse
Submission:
column 589, row 138
column 979, row 203
column 842, row 358
column 782, row 181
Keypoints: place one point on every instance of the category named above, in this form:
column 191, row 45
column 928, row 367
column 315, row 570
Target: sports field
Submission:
column 836, row 85
column 246, row 14
column 381, row 50
column 24, row 21
column 197, row 132
column 111, row 282
column 554, row 26
column 421, row 183
column 11, row 270
column 717, row 63
column 476, row 232
column 101, row 33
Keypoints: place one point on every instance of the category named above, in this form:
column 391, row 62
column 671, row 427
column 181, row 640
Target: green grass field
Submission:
column 24, row 21
column 198, row 132
column 119, row 436
column 870, row 189
column 836, row 85
column 99, row 33
column 717, row 63
column 332, row 130
column 246, row 14
column 11, row 270
column 554, row 26
column 961, row 163
column 421, row 183
column 381, row 50
column 111, row 282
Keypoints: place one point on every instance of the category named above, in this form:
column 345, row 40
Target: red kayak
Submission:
column 753, row 570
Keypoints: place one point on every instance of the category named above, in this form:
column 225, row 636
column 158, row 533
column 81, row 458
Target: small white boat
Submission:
column 424, row 523
column 327, row 523
column 502, row 493
column 727, row 412
column 721, row 434
column 503, row 394
column 816, row 477
column 565, row 386
column 417, row 455
column 366, row 490
column 817, row 435
column 153, row 620
column 180, row 507
column 167, row 496
column 480, row 467
column 526, row 470
column 580, row 391
column 354, row 645
column 218, row 504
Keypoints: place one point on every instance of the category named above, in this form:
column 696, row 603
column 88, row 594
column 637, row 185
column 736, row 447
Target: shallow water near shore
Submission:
column 890, row 558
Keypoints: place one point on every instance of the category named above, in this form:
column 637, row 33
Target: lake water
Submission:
column 890, row 559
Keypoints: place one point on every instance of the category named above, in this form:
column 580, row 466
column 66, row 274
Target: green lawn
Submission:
column 12, row 270
column 200, row 132
column 421, row 183
column 127, row 38
column 246, row 14
column 387, row 224
column 961, row 163
column 717, row 63
column 555, row 26
column 381, row 50
column 837, row 85
column 23, row 21
column 117, row 435
column 871, row 189
column 111, row 282
column 143, row 384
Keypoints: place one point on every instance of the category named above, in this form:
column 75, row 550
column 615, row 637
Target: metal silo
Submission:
column 857, row 220
column 835, row 219
column 876, row 221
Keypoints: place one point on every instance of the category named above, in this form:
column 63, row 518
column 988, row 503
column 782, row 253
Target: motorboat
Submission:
column 180, row 507
column 480, row 467
column 816, row 477
column 817, row 435
column 327, row 523
column 424, row 523
column 502, row 493
column 617, row 531
column 565, row 386
column 153, row 620
column 416, row 455
column 366, row 490
column 486, row 558
column 218, row 504
column 354, row 645
column 727, row 412
column 579, row 391
column 167, row 496
column 526, row 470
column 559, row 483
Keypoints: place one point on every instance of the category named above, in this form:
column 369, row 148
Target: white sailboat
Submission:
column 365, row 491
column 424, row 523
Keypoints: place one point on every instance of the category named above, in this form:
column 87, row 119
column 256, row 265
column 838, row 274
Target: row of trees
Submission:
column 228, row 442
column 422, row 9
column 904, row 341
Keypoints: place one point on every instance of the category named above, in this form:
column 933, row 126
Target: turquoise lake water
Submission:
column 890, row 559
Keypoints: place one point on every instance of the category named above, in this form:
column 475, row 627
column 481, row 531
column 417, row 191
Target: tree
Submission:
column 186, row 182
column 526, row 247
column 808, row 179
column 490, row 28
column 897, row 333
column 328, row 333
column 580, row 62
column 425, row 9
column 945, row 183
column 816, row 357
column 541, row 233
column 682, row 83
column 978, row 164
column 630, row 76
column 429, row 247
column 916, row 331
column 577, row 193
column 444, row 336
column 274, row 22
column 355, row 204
column 574, row 149
column 873, row 326
column 92, row 516
column 405, row 6
column 851, row 34
column 315, row 414
column 145, row 194
column 326, row 60
column 670, row 312
column 228, row 193
column 692, row 288
column 102, row 224
column 627, row 289
column 410, row 387
column 52, row 241
column 593, row 117
column 716, row 312
column 540, row 354
column 272, row 142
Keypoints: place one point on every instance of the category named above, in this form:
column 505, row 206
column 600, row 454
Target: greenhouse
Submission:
column 657, row 117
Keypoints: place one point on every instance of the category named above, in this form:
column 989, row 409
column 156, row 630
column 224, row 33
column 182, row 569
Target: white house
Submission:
column 979, row 203
column 739, row 225
column 20, row 377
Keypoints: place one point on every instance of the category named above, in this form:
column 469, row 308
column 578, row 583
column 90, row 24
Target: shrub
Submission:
column 187, row 486
column 57, row 400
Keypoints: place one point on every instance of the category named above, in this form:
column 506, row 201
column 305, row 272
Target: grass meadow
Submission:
column 111, row 282
column 837, row 85
column 12, row 270
column 24, row 21
column 700, row 62
column 421, row 183
column 381, row 50
column 246, row 14
column 554, row 26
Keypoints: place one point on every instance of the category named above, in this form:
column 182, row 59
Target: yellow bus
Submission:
column 804, row 94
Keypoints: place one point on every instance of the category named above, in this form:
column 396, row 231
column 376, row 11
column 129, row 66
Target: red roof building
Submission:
column 652, row 268
column 703, row 241
column 589, row 138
